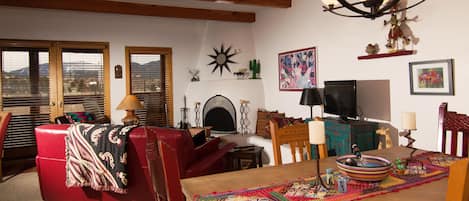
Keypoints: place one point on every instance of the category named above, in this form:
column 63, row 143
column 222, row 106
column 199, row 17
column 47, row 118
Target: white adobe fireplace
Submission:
column 234, row 90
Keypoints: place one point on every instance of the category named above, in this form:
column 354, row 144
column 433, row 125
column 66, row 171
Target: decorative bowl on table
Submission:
column 368, row 168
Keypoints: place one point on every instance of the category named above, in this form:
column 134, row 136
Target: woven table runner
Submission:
column 436, row 167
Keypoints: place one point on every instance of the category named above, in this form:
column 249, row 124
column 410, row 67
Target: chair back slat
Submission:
column 297, row 136
column 456, row 124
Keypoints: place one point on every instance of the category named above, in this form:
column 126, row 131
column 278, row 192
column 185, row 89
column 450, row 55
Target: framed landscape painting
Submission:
column 297, row 69
column 431, row 77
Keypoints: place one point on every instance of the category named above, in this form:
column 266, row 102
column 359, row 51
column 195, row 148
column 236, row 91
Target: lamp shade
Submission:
column 409, row 121
column 316, row 132
column 130, row 102
column 310, row 96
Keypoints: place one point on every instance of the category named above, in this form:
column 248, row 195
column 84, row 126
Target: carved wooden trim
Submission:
column 105, row 6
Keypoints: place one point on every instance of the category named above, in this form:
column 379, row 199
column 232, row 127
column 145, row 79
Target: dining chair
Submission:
column 454, row 123
column 297, row 136
column 4, row 121
column 458, row 181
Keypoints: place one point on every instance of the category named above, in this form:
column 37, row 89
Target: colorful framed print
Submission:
column 297, row 69
column 431, row 77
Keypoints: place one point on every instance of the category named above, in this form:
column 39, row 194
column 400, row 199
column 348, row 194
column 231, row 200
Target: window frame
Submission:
column 168, row 73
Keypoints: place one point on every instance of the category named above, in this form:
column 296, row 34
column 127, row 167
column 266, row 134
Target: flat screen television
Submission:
column 340, row 98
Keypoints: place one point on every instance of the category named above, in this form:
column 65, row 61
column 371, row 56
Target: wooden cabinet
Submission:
column 340, row 135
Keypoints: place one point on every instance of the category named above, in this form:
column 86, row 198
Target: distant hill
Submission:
column 144, row 70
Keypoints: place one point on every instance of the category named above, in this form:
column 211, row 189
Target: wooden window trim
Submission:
column 55, row 60
column 167, row 52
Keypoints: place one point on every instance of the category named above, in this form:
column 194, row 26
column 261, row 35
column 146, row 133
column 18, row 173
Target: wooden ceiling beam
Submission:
column 267, row 3
column 105, row 6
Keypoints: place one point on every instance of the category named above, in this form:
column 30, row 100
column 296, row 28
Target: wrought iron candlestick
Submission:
column 410, row 141
column 408, row 124
column 244, row 121
column 197, row 114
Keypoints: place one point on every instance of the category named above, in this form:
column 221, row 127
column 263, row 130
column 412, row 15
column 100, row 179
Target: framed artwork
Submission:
column 431, row 77
column 297, row 69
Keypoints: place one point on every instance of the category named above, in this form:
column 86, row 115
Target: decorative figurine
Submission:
column 342, row 184
column 195, row 75
column 330, row 176
column 356, row 151
column 399, row 30
column 255, row 67
column 372, row 49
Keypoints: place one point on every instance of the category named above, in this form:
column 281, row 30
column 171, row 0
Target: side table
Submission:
column 251, row 154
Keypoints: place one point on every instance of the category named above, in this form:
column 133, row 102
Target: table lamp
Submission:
column 310, row 97
column 130, row 103
column 317, row 136
column 409, row 124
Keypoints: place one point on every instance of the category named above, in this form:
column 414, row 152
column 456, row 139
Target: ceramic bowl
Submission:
column 370, row 168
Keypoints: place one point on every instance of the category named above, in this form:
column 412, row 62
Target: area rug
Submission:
column 436, row 166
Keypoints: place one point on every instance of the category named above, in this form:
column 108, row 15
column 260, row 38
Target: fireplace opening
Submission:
column 220, row 113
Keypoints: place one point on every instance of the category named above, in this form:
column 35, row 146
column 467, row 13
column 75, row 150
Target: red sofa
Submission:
column 50, row 162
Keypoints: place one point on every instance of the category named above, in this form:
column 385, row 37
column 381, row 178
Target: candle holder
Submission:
column 197, row 114
column 244, row 121
column 410, row 141
column 408, row 124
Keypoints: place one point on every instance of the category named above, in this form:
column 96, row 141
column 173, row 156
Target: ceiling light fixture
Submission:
column 377, row 8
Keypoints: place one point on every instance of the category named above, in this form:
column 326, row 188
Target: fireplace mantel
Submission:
column 251, row 90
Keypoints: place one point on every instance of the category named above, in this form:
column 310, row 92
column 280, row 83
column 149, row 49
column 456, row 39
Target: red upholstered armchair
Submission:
column 191, row 161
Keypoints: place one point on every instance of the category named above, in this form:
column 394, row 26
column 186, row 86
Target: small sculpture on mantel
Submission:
column 195, row 75
column 372, row 49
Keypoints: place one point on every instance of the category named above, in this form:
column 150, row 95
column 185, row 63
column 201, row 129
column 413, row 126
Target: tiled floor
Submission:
column 21, row 187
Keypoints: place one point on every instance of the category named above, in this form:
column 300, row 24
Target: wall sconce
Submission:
column 366, row 8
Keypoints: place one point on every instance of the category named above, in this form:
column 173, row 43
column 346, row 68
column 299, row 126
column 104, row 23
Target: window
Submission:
column 83, row 81
column 149, row 78
column 41, row 80
column 25, row 93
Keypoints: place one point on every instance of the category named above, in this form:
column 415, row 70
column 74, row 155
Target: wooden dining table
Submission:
column 252, row 178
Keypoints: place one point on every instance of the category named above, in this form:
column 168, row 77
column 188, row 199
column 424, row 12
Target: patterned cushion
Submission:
column 262, row 124
column 78, row 117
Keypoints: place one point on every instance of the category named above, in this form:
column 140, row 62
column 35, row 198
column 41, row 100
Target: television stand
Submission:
column 340, row 135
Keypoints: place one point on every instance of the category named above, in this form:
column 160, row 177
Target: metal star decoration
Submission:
column 221, row 59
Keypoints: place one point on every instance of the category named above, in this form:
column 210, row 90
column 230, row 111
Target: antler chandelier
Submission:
column 366, row 8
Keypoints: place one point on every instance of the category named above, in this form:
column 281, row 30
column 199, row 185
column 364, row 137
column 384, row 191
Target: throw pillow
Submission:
column 199, row 138
column 79, row 117
column 262, row 124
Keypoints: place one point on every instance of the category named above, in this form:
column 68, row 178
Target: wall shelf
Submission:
column 393, row 54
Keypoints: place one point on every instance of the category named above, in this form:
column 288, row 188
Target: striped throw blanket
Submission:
column 96, row 156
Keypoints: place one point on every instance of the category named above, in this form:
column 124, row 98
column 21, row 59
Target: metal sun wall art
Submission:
column 221, row 59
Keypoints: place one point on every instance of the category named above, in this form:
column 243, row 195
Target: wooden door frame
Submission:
column 55, row 70
column 168, row 73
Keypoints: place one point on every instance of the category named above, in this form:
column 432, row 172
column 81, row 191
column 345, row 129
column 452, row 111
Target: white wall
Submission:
column 190, row 40
column 339, row 40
